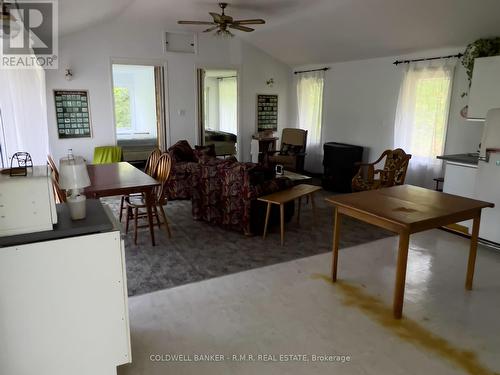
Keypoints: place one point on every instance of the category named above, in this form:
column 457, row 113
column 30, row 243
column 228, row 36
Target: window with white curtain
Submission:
column 23, row 113
column 310, row 115
column 422, row 118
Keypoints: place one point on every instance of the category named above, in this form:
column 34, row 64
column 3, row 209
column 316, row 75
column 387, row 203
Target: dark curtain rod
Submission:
column 397, row 62
column 226, row 77
column 312, row 70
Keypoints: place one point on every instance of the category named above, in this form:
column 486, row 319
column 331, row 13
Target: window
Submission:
column 422, row 117
column 135, row 102
column 123, row 109
column 310, row 116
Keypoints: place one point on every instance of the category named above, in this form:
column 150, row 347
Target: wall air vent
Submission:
column 180, row 42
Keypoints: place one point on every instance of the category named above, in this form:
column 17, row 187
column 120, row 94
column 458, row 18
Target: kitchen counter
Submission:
column 471, row 159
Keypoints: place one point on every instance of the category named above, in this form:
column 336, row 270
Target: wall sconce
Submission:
column 270, row 82
column 68, row 74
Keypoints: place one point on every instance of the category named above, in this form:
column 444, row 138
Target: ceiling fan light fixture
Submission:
column 224, row 33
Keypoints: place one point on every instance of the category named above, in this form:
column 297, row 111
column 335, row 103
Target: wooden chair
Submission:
column 293, row 150
column 149, row 169
column 393, row 173
column 136, row 206
column 59, row 194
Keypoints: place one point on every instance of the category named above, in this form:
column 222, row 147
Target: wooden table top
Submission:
column 114, row 178
column 290, row 194
column 408, row 206
column 295, row 176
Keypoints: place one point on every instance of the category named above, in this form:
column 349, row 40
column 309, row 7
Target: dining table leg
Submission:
column 148, row 195
column 335, row 246
column 399, row 289
column 472, row 252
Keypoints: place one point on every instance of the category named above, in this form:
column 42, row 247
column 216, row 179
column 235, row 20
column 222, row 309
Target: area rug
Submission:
column 198, row 250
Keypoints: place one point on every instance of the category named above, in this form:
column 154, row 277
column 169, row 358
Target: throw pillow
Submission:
column 289, row 149
column 182, row 151
column 204, row 152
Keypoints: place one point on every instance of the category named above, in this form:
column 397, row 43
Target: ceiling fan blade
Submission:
column 195, row 23
column 211, row 29
column 242, row 28
column 250, row 22
column 217, row 17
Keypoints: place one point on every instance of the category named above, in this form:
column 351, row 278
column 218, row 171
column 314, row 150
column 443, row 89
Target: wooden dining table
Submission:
column 405, row 210
column 122, row 179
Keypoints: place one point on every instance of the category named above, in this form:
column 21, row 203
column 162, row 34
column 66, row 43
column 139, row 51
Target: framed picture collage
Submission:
column 267, row 112
column 72, row 113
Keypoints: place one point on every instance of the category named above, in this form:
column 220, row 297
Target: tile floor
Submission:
column 291, row 308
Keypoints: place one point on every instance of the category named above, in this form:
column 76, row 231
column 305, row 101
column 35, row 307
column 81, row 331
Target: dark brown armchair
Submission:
column 393, row 173
column 293, row 150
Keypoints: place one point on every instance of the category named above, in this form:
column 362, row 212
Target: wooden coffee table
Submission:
column 406, row 210
column 297, row 178
column 285, row 196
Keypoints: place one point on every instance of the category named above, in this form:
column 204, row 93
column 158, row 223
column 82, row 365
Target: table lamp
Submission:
column 73, row 177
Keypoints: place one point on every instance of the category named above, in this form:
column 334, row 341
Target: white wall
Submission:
column 90, row 52
column 259, row 67
column 360, row 100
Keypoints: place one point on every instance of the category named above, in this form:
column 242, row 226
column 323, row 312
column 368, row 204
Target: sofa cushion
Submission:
column 182, row 152
column 204, row 152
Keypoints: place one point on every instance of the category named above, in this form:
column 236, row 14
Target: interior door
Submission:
column 200, row 77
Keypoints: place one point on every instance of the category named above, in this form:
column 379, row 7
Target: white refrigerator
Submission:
column 487, row 186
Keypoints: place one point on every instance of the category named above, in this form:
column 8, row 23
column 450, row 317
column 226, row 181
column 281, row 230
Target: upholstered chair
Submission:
column 393, row 172
column 293, row 150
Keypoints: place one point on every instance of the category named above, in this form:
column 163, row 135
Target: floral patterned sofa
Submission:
column 226, row 191
column 185, row 168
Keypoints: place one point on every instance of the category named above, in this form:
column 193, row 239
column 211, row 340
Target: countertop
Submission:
column 97, row 221
column 470, row 158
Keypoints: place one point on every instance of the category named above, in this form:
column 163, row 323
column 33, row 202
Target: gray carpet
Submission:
column 198, row 250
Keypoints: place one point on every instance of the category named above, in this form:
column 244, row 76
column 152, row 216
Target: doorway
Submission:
column 218, row 103
column 138, row 98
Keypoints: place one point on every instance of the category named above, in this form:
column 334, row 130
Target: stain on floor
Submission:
column 407, row 329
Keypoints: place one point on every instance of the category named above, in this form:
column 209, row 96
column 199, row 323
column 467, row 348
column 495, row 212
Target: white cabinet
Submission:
column 460, row 179
column 485, row 89
column 63, row 307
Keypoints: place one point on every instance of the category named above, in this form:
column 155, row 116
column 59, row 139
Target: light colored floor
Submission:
column 291, row 308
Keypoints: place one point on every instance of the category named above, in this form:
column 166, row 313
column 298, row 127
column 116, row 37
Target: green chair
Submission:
column 107, row 154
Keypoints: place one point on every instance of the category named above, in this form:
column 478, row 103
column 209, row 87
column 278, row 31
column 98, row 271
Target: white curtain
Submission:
column 228, row 105
column 422, row 118
column 310, row 115
column 24, row 114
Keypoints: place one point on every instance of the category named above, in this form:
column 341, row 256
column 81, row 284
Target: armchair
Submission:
column 393, row 173
column 293, row 150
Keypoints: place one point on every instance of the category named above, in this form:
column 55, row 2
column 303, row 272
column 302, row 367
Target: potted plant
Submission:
column 479, row 48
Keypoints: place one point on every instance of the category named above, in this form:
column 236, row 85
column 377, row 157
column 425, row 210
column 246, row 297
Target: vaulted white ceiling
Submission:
column 301, row 32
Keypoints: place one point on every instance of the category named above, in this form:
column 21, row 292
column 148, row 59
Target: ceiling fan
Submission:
column 221, row 23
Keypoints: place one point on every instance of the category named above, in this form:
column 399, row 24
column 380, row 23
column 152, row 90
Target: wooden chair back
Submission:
column 161, row 174
column 152, row 161
column 59, row 194
column 296, row 137
column 53, row 167
column 396, row 163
